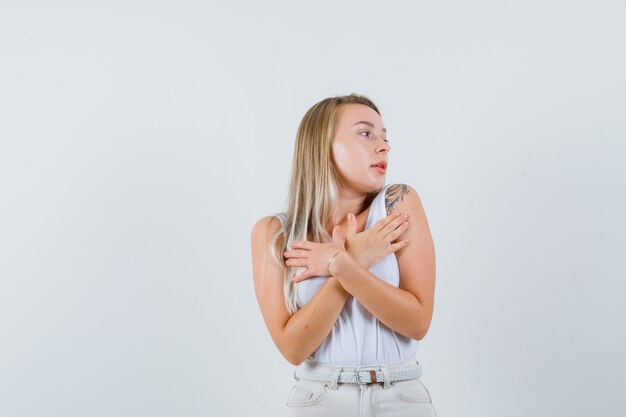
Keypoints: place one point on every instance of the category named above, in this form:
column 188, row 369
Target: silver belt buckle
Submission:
column 364, row 382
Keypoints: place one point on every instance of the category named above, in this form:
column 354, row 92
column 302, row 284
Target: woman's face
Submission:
column 358, row 146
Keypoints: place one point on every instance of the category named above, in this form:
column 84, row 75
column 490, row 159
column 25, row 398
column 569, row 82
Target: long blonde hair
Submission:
column 313, row 186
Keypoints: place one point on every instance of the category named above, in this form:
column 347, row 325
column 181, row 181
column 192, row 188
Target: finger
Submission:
column 300, row 253
column 382, row 223
column 393, row 235
column 395, row 223
column 336, row 236
column 301, row 277
column 297, row 262
column 396, row 246
column 351, row 226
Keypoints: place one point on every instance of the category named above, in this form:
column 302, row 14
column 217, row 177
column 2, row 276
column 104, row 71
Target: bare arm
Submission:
column 407, row 309
column 297, row 336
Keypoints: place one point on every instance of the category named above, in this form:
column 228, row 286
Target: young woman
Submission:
column 344, row 283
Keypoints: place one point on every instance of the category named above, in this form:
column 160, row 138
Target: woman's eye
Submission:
column 368, row 134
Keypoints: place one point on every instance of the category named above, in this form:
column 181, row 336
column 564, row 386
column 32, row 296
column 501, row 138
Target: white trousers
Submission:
column 309, row 398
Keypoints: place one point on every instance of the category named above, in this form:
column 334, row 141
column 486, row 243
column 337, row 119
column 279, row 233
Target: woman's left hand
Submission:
column 315, row 256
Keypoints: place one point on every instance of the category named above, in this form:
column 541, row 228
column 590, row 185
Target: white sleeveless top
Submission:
column 358, row 338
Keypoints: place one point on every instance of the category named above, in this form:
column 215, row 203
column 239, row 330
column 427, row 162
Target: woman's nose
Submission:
column 383, row 146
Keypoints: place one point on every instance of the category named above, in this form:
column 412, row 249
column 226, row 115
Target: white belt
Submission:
column 360, row 377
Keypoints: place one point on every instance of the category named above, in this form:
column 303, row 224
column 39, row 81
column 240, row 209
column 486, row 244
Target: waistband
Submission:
column 362, row 375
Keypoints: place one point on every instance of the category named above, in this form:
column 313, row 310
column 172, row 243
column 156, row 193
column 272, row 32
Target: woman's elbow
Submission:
column 292, row 357
column 295, row 361
column 420, row 333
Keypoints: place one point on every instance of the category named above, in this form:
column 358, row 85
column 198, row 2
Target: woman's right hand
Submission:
column 315, row 257
column 373, row 244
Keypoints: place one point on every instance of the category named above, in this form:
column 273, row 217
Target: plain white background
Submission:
column 140, row 141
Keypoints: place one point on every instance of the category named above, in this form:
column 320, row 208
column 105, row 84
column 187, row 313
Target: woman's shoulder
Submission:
column 400, row 196
column 267, row 226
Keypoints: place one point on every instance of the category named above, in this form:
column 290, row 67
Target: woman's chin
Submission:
column 372, row 185
column 376, row 187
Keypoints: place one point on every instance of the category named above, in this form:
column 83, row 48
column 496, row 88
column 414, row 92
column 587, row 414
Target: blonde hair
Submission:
column 313, row 186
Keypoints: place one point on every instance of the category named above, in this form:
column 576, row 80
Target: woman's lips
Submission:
column 379, row 169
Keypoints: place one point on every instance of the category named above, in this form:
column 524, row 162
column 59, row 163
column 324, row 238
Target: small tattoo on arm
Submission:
column 394, row 194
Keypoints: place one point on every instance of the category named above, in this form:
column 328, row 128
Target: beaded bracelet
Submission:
column 331, row 259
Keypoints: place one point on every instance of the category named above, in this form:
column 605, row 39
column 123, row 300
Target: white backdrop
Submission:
column 140, row 141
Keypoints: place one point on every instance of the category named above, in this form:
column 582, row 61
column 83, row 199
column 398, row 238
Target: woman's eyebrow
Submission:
column 369, row 124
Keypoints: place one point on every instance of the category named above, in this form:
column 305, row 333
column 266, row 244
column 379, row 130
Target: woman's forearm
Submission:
column 306, row 329
column 396, row 308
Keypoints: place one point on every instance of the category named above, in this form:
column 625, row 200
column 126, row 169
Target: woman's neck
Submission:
column 358, row 205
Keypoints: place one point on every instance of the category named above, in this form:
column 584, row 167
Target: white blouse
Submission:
column 358, row 338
